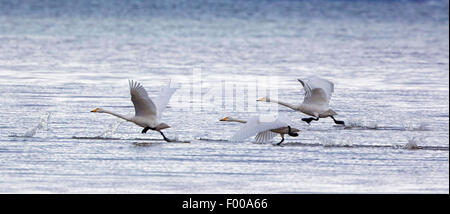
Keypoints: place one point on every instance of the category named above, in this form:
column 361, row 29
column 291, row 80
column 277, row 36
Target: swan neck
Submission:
column 291, row 106
column 237, row 120
column 117, row 115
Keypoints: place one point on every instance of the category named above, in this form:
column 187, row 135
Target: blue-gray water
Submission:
column 389, row 61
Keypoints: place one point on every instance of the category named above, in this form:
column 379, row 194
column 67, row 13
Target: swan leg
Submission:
column 282, row 139
column 308, row 120
column 145, row 130
column 165, row 138
column 338, row 121
column 292, row 134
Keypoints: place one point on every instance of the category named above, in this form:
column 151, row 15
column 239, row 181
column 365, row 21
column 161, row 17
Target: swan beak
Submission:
column 224, row 119
column 260, row 99
column 95, row 110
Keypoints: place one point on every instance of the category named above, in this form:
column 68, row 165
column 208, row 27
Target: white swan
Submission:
column 318, row 93
column 147, row 112
column 264, row 131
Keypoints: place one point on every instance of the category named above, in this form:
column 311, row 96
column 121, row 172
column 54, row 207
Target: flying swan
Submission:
column 318, row 93
column 148, row 112
column 264, row 131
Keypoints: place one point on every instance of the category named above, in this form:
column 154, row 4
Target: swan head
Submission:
column 98, row 110
column 230, row 119
column 226, row 119
column 264, row 99
column 161, row 126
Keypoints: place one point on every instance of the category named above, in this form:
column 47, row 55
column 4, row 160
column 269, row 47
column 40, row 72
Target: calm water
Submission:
column 389, row 62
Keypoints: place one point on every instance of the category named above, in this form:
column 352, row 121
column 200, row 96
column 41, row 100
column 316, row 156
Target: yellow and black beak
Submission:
column 95, row 110
column 224, row 119
column 260, row 99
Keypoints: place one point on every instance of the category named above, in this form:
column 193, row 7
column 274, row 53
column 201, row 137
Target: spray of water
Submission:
column 335, row 141
column 360, row 124
column 42, row 125
column 413, row 127
column 373, row 125
column 109, row 131
column 412, row 143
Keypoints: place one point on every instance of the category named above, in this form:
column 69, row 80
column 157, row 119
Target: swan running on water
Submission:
column 148, row 112
column 318, row 93
column 264, row 131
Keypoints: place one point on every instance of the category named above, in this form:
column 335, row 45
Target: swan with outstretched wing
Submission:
column 264, row 130
column 148, row 112
column 316, row 101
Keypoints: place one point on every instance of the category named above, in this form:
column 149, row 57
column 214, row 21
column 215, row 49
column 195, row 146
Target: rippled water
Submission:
column 388, row 60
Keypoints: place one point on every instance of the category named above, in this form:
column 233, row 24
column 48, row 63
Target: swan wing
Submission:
column 317, row 90
column 163, row 99
column 254, row 126
column 265, row 136
column 143, row 105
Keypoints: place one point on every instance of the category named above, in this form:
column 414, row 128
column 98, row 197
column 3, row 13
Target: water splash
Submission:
column 109, row 131
column 413, row 127
column 359, row 124
column 364, row 125
column 335, row 141
column 412, row 143
column 42, row 125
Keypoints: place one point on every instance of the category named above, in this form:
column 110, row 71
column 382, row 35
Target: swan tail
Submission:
column 330, row 112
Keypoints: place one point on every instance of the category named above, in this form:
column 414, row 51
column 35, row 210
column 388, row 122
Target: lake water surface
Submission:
column 389, row 62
